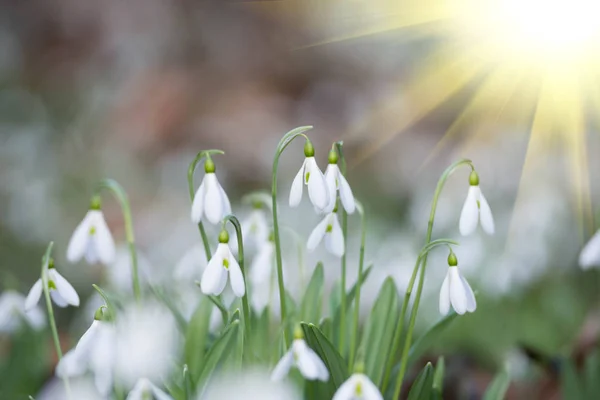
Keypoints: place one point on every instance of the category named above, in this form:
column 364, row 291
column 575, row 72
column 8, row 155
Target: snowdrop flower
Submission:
column 210, row 199
column 590, row 254
column 456, row 290
column 94, row 351
column 358, row 387
column 302, row 357
column 329, row 228
column 262, row 264
column 221, row 265
column 61, row 291
column 12, row 313
column 337, row 182
column 475, row 208
column 247, row 384
column 310, row 175
column 92, row 239
column 256, row 227
column 190, row 265
column 144, row 389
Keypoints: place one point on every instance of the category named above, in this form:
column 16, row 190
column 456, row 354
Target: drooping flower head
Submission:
column 311, row 176
column 221, row 265
column 255, row 228
column 302, row 357
column 210, row 200
column 330, row 230
column 61, row 291
column 336, row 182
column 358, row 387
column 262, row 264
column 13, row 313
column 92, row 239
column 475, row 209
column 456, row 291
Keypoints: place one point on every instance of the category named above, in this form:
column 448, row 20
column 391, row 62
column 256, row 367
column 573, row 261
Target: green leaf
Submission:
column 259, row 336
column 187, row 383
column 379, row 330
column 313, row 296
column 570, row 382
column 195, row 338
column 438, row 379
column 592, row 375
column 333, row 361
column 422, row 387
column 421, row 345
column 498, row 387
column 326, row 327
column 219, row 351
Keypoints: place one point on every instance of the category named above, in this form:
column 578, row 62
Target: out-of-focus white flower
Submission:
column 79, row 388
column 262, row 264
column 310, row 175
column 144, row 389
column 210, row 199
column 95, row 351
column 456, row 291
column 61, row 291
column 119, row 272
column 190, row 266
column 305, row 359
column 255, row 228
column 475, row 209
column 358, row 387
column 337, row 182
column 147, row 343
column 13, row 314
column 590, row 254
column 221, row 265
column 92, row 240
column 248, row 384
column 329, row 228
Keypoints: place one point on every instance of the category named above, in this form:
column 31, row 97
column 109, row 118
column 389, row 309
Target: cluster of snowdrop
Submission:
column 117, row 332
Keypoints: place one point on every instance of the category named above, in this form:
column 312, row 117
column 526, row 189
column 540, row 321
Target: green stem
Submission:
column 119, row 193
column 238, row 230
column 190, row 177
column 342, row 344
column 415, row 308
column 45, row 287
column 361, row 260
column 398, row 332
column 224, row 313
column 283, row 143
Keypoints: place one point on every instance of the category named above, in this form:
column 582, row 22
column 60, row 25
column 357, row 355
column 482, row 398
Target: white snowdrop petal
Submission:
column 64, row 288
column 212, row 275
column 213, row 201
column 370, row 391
column 283, row 366
column 346, row 194
column 317, row 234
column 225, row 200
column 297, row 187
column 137, row 393
column 306, row 365
column 58, row 299
column 91, row 252
column 261, row 266
column 485, row 215
column 105, row 245
column 102, row 358
column 471, row 302
column 458, row 298
column 346, row 390
column 71, row 364
column 334, row 240
column 33, row 297
column 590, row 254
column 330, row 179
column 86, row 342
column 444, row 304
column 237, row 279
column 198, row 204
column 159, row 394
column 79, row 240
column 470, row 212
column 317, row 188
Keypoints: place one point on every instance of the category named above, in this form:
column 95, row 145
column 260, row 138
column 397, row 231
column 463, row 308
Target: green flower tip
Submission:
column 51, row 263
column 333, row 156
column 209, row 166
column 95, row 203
column 224, row 236
column 474, row 178
column 298, row 334
column 452, row 261
column 257, row 205
column 309, row 150
column 359, row 367
column 102, row 314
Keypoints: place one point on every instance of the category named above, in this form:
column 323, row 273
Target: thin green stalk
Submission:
column 415, row 308
column 45, row 287
column 238, row 230
column 342, row 344
column 398, row 331
column 283, row 143
column 121, row 196
column 190, row 177
column 361, row 260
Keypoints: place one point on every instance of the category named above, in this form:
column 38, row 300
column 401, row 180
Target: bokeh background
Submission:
column 133, row 90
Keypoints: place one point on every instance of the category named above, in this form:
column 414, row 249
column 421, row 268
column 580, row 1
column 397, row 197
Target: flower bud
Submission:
column 309, row 150
column 209, row 166
column 95, row 203
column 298, row 333
column 224, row 236
column 474, row 178
column 452, row 261
column 333, row 157
column 102, row 314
